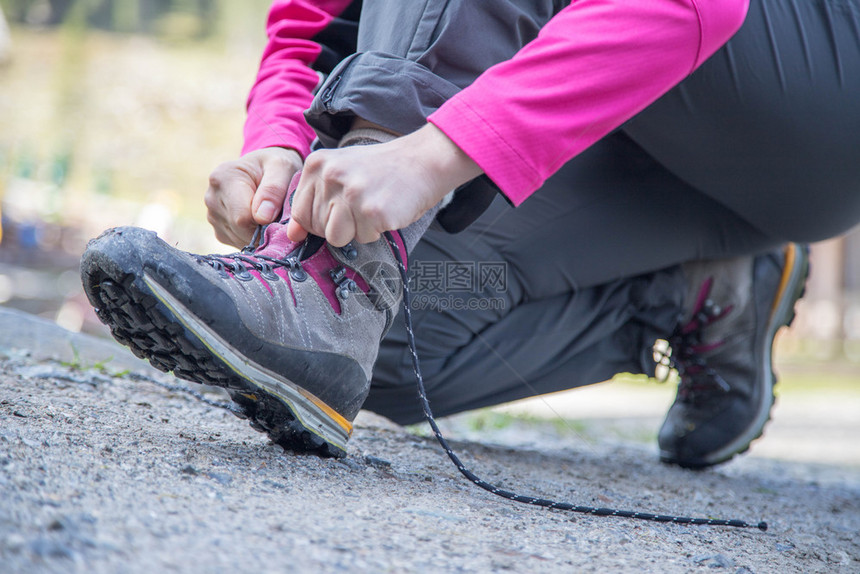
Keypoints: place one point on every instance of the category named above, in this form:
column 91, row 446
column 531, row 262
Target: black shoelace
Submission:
column 248, row 259
column 686, row 351
column 534, row 501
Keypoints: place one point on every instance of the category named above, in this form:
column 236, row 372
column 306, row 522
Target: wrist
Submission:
column 447, row 164
column 290, row 154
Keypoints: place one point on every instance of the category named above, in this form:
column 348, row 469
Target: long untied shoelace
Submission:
column 534, row 501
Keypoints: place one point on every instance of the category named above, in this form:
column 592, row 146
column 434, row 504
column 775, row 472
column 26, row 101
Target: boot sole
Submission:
column 791, row 288
column 144, row 316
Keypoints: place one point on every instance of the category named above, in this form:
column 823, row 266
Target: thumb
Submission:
column 271, row 191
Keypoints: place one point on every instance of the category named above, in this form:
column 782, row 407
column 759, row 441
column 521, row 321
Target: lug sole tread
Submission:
column 142, row 323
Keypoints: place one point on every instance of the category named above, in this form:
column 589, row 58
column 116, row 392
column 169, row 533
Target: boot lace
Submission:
column 686, row 351
column 239, row 265
column 507, row 494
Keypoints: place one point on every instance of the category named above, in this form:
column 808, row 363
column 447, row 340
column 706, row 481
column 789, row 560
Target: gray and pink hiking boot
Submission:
column 722, row 352
column 290, row 330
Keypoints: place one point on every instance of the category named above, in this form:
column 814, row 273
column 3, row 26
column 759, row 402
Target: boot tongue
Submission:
column 288, row 198
column 276, row 243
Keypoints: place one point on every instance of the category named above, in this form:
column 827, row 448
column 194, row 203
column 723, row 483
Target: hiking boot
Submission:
column 290, row 330
column 722, row 352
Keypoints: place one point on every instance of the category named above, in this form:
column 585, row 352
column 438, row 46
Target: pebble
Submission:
column 352, row 464
column 220, row 477
column 377, row 462
column 44, row 548
column 713, row 561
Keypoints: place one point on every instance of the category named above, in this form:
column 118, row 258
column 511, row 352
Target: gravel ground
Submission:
column 127, row 473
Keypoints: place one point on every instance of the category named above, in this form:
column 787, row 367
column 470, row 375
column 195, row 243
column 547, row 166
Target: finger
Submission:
column 301, row 209
column 227, row 235
column 371, row 221
column 228, row 201
column 366, row 230
column 321, row 213
column 365, row 234
column 340, row 226
column 295, row 231
column 311, row 195
column 270, row 193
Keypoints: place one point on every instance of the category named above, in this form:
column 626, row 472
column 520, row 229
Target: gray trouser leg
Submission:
column 492, row 343
column 758, row 147
column 562, row 318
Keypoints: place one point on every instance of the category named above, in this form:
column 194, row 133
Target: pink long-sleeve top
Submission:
column 592, row 67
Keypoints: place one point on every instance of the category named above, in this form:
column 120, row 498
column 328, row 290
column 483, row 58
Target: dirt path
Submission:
column 117, row 474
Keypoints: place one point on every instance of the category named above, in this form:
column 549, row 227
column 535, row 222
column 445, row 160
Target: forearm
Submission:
column 593, row 67
column 286, row 78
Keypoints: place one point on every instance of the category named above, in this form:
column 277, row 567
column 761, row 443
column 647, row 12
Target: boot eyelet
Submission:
column 298, row 274
column 338, row 275
column 346, row 287
column 349, row 251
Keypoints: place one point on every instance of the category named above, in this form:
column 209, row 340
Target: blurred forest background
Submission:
column 114, row 112
column 127, row 100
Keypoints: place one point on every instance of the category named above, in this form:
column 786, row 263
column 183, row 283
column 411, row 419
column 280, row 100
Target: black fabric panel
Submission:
column 339, row 39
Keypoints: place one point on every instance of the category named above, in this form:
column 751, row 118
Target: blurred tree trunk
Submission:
column 5, row 39
column 59, row 9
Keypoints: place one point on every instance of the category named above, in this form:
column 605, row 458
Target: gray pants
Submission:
column 758, row 147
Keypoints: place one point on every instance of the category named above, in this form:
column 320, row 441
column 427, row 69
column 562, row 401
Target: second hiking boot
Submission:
column 722, row 352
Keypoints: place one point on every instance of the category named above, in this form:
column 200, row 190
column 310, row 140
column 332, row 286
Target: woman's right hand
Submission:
column 248, row 192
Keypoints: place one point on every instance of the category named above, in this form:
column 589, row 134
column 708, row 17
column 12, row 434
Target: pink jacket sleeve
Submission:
column 592, row 67
column 285, row 81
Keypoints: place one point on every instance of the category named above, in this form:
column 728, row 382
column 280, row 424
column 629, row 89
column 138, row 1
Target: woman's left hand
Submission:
column 360, row 192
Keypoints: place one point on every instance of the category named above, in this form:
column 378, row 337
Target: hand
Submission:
column 248, row 192
column 362, row 191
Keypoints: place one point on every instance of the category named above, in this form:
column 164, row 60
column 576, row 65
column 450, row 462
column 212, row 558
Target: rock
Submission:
column 713, row 561
column 220, row 478
column 377, row 462
column 45, row 549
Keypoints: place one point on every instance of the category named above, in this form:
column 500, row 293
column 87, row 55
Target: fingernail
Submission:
column 266, row 211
